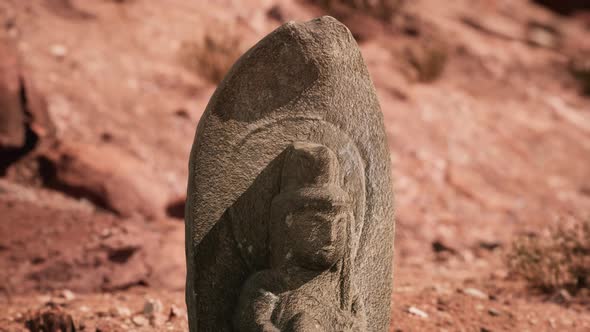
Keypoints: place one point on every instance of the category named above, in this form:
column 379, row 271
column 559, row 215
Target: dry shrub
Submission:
column 382, row 9
column 428, row 60
column 580, row 70
column 54, row 319
column 557, row 260
column 213, row 55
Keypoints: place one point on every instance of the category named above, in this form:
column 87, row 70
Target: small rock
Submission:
column 489, row 245
column 439, row 246
column 175, row 312
column 68, row 295
column 493, row 312
column 500, row 274
column 542, row 35
column 101, row 314
column 139, row 320
column 405, row 289
column 152, row 307
column 565, row 295
column 475, row 293
column 121, row 311
column 468, row 256
column 442, row 290
column 105, row 233
column 157, row 320
column 417, row 312
column 44, row 299
column 182, row 113
column 59, row 51
column 441, row 304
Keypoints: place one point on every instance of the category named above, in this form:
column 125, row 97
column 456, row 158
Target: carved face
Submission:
column 322, row 234
column 311, row 214
column 312, row 237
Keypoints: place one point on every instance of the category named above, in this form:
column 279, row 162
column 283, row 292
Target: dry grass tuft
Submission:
column 213, row 55
column 382, row 9
column 555, row 261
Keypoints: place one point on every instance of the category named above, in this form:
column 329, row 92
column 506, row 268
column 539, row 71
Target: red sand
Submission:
column 497, row 146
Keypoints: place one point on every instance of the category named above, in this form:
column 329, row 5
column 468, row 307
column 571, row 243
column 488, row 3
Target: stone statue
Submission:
column 289, row 217
column 307, row 287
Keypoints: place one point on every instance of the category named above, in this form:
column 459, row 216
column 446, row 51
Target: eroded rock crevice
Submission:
column 565, row 7
column 32, row 153
column 17, row 138
column 48, row 172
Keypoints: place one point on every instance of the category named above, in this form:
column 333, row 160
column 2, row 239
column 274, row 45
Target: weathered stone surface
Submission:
column 289, row 217
column 103, row 175
column 22, row 107
column 12, row 116
column 25, row 124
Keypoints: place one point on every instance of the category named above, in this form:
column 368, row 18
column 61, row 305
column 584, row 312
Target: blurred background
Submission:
column 487, row 112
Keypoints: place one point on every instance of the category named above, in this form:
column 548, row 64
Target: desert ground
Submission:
column 489, row 133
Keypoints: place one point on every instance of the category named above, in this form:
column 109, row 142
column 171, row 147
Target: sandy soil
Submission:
column 496, row 145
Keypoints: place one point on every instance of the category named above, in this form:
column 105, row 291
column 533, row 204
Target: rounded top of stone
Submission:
column 318, row 23
column 281, row 67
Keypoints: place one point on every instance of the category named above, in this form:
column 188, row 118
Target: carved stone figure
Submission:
column 289, row 218
column 307, row 287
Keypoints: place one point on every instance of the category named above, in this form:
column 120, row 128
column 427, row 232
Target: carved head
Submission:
column 311, row 214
